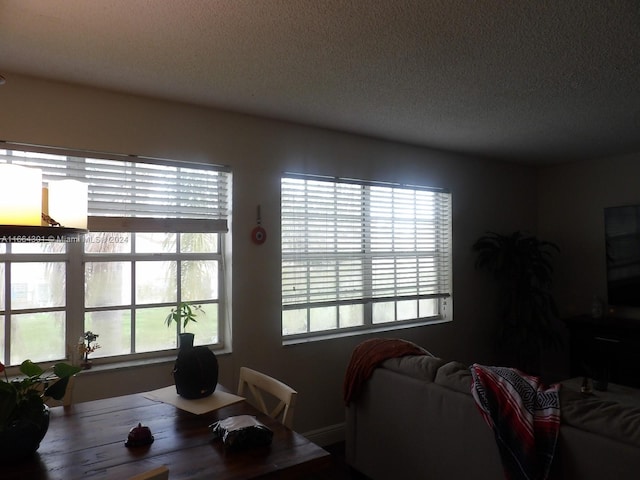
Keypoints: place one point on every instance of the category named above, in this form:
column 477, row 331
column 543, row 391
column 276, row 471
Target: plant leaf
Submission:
column 31, row 369
column 64, row 370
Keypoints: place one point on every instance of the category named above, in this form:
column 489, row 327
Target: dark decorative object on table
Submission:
column 521, row 264
column 139, row 436
column 24, row 417
column 22, row 438
column 195, row 372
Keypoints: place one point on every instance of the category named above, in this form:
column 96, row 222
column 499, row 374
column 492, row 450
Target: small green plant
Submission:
column 85, row 349
column 184, row 313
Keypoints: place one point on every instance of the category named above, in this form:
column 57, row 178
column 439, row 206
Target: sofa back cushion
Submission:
column 452, row 375
column 422, row 367
column 455, row 376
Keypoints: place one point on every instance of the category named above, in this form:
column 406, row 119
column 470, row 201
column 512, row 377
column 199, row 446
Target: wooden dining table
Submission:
column 87, row 441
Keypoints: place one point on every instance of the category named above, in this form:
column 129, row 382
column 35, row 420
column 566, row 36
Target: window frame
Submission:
column 199, row 221
column 118, row 225
column 367, row 299
column 8, row 259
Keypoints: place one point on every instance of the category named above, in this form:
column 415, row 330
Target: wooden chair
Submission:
column 67, row 400
column 160, row 473
column 259, row 383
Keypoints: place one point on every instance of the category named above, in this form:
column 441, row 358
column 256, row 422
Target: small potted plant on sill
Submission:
column 24, row 415
column 84, row 349
column 184, row 313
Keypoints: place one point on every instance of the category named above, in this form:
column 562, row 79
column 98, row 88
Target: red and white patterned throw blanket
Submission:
column 524, row 416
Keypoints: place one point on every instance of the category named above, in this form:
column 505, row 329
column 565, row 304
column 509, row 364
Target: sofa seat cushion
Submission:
column 601, row 416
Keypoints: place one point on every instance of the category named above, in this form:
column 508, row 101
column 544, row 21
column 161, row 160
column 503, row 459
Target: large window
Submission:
column 358, row 255
column 33, row 301
column 157, row 236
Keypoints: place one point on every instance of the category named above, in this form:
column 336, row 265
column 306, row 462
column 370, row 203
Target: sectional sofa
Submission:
column 415, row 418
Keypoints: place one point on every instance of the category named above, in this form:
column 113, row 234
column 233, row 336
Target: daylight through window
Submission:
column 157, row 237
column 357, row 255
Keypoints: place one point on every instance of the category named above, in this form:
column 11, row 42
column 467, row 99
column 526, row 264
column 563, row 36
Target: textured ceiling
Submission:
column 522, row 80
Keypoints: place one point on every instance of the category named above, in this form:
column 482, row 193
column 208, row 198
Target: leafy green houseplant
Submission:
column 521, row 265
column 24, row 417
column 182, row 315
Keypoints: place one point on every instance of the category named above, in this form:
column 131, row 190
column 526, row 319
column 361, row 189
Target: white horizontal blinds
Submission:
column 348, row 242
column 148, row 190
column 140, row 188
column 410, row 242
column 322, row 242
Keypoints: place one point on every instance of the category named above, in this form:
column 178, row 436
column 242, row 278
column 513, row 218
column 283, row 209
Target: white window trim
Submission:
column 293, row 201
column 74, row 257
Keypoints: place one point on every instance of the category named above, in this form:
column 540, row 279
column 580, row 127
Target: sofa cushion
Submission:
column 422, row 367
column 455, row 376
column 601, row 416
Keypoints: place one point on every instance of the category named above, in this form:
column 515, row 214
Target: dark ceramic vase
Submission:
column 20, row 440
column 185, row 340
column 195, row 372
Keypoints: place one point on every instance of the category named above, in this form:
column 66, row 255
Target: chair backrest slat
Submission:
column 259, row 383
column 68, row 394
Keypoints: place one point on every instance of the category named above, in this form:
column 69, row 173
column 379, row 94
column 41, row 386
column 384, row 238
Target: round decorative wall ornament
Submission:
column 258, row 235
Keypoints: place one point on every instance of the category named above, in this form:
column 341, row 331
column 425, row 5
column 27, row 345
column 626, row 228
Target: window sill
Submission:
column 322, row 336
column 138, row 362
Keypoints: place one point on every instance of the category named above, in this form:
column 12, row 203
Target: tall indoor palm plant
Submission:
column 521, row 265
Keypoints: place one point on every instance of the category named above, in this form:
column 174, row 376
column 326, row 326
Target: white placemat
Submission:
column 217, row 399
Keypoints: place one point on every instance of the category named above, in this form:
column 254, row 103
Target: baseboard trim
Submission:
column 327, row 435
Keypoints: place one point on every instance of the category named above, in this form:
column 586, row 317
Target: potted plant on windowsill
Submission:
column 24, row 415
column 84, row 349
column 184, row 313
column 195, row 372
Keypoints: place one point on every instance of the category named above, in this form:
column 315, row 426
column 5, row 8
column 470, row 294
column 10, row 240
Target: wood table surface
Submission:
column 87, row 441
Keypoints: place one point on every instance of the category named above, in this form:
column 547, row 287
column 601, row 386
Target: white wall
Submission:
column 571, row 202
column 486, row 196
column 572, row 198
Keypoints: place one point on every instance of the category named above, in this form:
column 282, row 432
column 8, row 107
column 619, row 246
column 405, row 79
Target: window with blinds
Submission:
column 136, row 187
column 358, row 254
column 156, row 238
